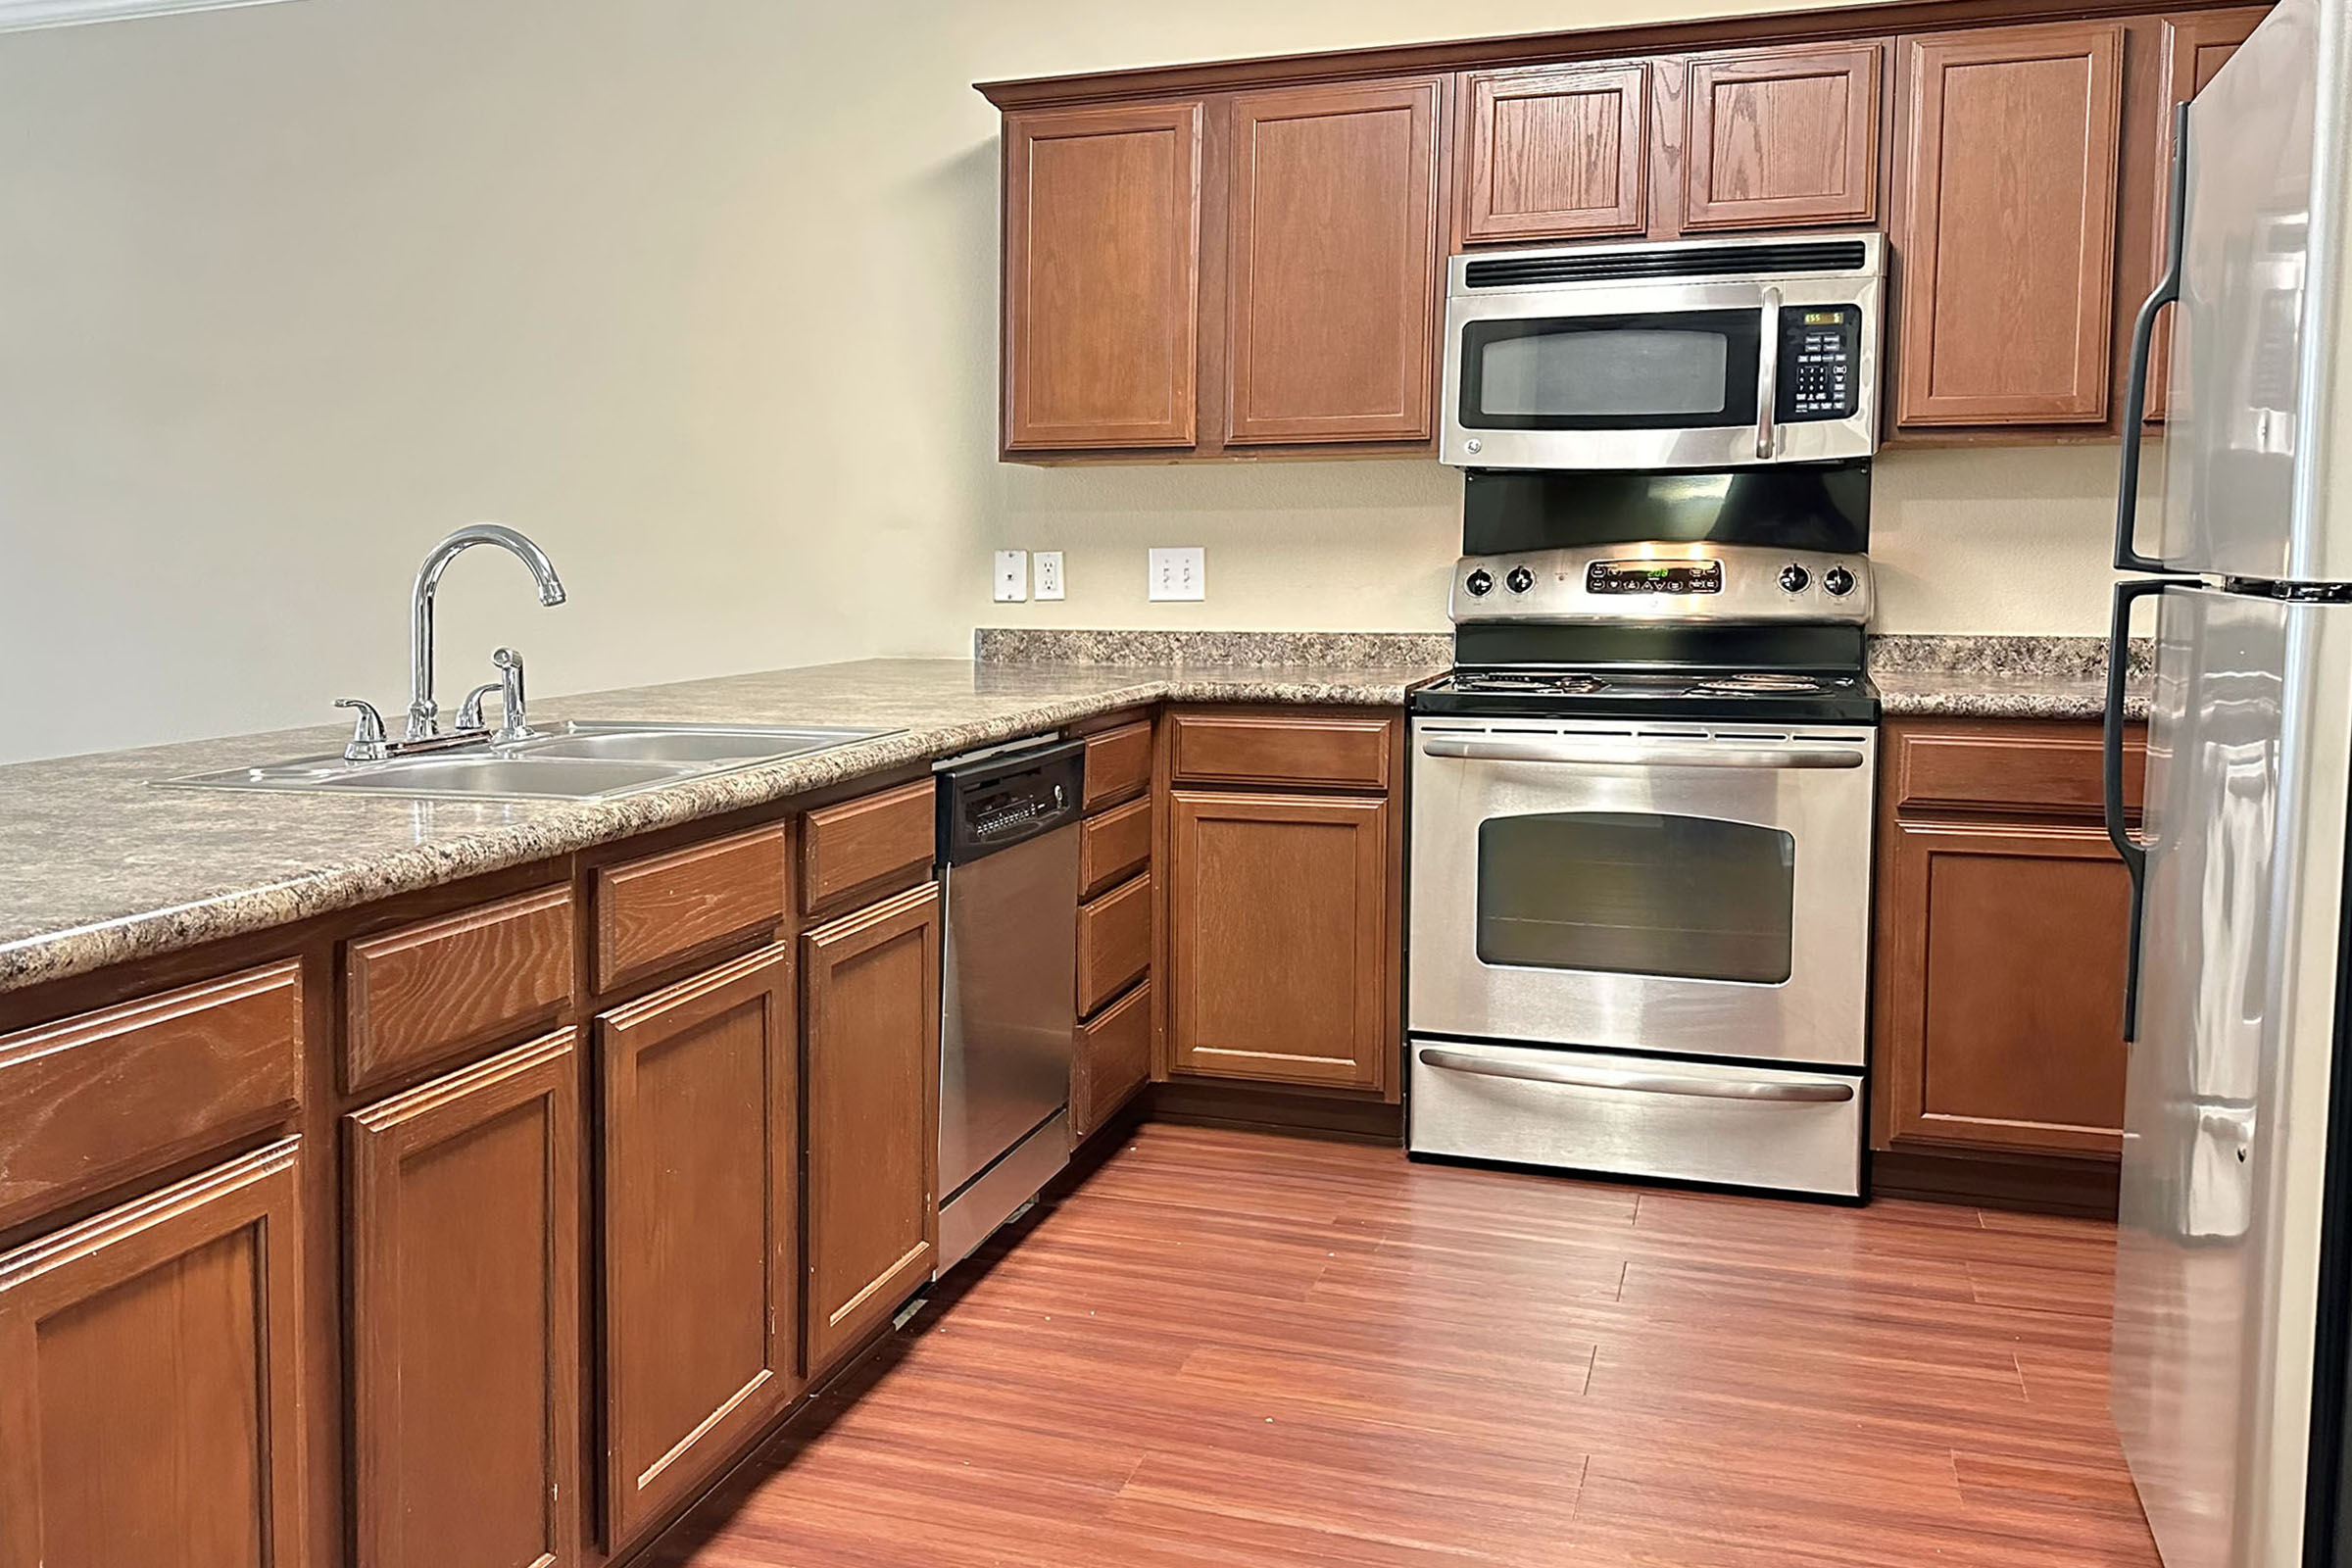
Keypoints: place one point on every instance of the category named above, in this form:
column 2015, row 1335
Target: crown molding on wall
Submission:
column 18, row 15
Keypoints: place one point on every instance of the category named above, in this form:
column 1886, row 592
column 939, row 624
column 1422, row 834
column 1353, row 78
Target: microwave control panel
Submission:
column 1821, row 362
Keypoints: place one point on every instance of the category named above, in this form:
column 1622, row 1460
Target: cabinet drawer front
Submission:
column 1112, row 1060
column 2057, row 771
column 867, row 847
column 1252, row 749
column 1114, row 942
column 1115, row 845
column 91, row 1102
column 432, row 991
column 1119, row 763
column 653, row 911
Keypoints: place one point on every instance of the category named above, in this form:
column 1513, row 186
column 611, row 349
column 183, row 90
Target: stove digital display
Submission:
column 1654, row 577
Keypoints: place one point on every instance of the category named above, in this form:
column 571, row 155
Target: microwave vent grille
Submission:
column 1671, row 261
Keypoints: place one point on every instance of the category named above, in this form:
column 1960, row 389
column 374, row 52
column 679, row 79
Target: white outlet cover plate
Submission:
column 1047, row 564
column 1178, row 573
column 1012, row 576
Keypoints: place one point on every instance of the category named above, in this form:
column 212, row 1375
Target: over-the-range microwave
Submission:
column 1696, row 354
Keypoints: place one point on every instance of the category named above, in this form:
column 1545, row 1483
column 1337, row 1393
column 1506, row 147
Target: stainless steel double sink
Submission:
column 579, row 759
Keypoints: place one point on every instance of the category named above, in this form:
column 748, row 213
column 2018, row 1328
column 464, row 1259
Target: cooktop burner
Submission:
column 1533, row 682
column 1760, row 680
column 1662, row 692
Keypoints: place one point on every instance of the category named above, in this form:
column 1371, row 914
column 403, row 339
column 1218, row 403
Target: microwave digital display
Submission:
column 1654, row 577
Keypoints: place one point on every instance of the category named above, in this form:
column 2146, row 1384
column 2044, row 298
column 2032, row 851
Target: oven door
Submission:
column 1686, row 376
column 1687, row 889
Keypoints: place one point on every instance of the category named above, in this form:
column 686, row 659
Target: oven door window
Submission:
column 1689, row 898
column 1676, row 371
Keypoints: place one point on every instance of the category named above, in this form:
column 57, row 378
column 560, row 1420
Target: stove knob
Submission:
column 1793, row 578
column 1480, row 582
column 1838, row 582
column 1520, row 581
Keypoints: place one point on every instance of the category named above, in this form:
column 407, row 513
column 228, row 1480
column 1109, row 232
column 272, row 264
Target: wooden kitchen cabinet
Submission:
column 465, row 1315
column 872, row 1083
column 1553, row 153
column 2006, row 234
column 151, row 1403
column 1280, row 938
column 698, row 1217
column 1779, row 138
column 1101, row 277
column 1332, row 275
column 2002, row 917
column 2195, row 46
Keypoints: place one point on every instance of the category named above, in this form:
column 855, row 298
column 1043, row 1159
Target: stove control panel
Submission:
column 1742, row 584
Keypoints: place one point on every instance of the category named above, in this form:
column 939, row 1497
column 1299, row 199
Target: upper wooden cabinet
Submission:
column 1561, row 152
column 1333, row 263
column 1777, row 137
column 1101, row 277
column 2195, row 46
column 151, row 1407
column 2006, row 240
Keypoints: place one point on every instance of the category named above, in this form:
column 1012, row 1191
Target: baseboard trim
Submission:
column 2032, row 1183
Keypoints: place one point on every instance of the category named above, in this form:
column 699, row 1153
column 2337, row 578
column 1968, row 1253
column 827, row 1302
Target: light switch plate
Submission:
column 1012, row 576
column 1049, row 574
column 1178, row 573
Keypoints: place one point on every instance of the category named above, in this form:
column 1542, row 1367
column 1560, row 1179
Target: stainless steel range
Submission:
column 1640, row 887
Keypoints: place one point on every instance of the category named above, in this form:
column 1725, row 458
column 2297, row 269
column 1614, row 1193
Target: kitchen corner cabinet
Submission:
column 872, row 1083
column 1101, row 277
column 465, row 1313
column 2006, row 237
column 700, row 1128
column 2002, row 917
column 151, row 1403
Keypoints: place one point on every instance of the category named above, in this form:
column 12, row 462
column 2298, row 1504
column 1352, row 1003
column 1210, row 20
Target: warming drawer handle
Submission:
column 1499, row 750
column 1638, row 1082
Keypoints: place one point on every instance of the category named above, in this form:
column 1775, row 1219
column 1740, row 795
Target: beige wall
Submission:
column 702, row 293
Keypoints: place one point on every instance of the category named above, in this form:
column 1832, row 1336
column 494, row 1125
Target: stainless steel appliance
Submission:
column 1708, row 353
column 1640, row 884
column 2234, row 1273
column 1008, row 843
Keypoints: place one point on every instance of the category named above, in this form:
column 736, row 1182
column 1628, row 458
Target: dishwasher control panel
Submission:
column 1009, row 799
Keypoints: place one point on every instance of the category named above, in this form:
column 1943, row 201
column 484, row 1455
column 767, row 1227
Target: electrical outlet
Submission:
column 1048, row 575
column 1180, row 573
column 1012, row 576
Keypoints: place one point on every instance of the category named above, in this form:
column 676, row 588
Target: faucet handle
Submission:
column 469, row 711
column 368, row 743
column 513, row 725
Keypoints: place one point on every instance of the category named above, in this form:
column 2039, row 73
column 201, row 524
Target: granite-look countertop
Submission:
column 98, row 866
column 2002, row 677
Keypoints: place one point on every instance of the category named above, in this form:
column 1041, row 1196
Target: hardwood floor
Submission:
column 1234, row 1349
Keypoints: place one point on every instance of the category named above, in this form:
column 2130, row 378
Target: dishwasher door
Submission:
column 1009, row 839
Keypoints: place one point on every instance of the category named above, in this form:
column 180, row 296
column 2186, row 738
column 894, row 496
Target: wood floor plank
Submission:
column 1234, row 1349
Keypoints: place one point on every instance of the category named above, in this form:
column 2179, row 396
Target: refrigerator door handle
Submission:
column 2134, row 850
column 2144, row 338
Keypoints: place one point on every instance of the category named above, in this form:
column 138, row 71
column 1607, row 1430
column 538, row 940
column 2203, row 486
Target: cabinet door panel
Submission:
column 2001, row 959
column 2195, row 46
column 1556, row 153
column 1334, row 268
column 699, row 1131
column 465, row 1315
column 150, row 1377
column 1278, row 915
column 873, row 1116
column 1101, row 277
column 1783, row 137
column 2008, row 239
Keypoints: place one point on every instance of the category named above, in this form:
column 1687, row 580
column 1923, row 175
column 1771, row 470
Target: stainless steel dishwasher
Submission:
column 1009, row 844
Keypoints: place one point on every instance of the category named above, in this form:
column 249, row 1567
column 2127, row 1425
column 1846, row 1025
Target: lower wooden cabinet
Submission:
column 150, row 1372
column 1111, row 1060
column 700, row 1121
column 1280, row 938
column 465, row 1247
column 872, row 1081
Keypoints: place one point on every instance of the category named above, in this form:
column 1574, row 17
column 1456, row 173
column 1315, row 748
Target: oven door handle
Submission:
column 1637, row 1083
column 1524, row 749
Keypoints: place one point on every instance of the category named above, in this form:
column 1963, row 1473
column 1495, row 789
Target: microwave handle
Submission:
column 1768, row 376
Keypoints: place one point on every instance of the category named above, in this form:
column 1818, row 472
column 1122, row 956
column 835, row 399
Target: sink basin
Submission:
column 582, row 760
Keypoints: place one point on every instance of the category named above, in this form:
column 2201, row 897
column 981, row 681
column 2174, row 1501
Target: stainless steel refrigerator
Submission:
column 2235, row 1254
